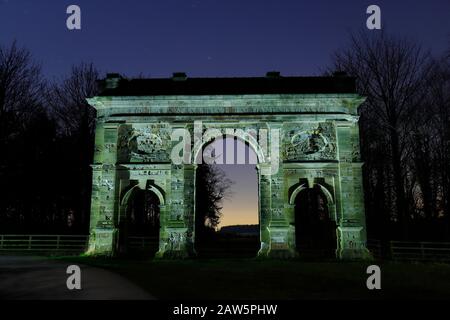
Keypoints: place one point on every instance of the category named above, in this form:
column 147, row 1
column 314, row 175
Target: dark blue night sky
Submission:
column 209, row 37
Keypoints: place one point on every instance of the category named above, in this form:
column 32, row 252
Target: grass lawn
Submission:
column 277, row 279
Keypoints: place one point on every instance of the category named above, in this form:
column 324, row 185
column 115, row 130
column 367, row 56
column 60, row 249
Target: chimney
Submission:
column 179, row 76
column 273, row 75
column 112, row 80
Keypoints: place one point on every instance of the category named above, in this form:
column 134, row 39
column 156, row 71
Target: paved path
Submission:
column 30, row 278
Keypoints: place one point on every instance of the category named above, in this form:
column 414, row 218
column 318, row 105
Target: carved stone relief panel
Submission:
column 309, row 141
column 144, row 143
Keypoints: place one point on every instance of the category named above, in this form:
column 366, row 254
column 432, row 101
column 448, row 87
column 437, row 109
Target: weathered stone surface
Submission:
column 318, row 146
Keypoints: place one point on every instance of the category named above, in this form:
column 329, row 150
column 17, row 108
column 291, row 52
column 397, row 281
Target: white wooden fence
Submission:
column 142, row 243
column 411, row 250
column 420, row 251
column 43, row 243
column 397, row 250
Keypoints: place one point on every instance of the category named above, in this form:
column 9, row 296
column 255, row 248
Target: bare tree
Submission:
column 430, row 154
column 391, row 74
column 213, row 188
column 439, row 104
column 21, row 89
column 24, row 128
column 76, row 123
column 68, row 101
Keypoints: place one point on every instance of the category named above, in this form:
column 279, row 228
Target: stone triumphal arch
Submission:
column 304, row 131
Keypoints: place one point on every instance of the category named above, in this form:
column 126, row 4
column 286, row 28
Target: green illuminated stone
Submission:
column 318, row 146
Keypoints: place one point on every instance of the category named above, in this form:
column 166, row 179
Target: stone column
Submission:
column 104, row 206
column 264, row 208
column 279, row 229
column 351, row 224
column 289, row 210
column 189, row 206
column 174, row 234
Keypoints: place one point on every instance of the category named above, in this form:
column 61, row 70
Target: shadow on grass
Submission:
column 215, row 279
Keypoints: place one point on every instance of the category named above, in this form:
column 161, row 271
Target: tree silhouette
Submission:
column 399, row 124
column 212, row 187
column 76, row 124
column 25, row 135
column 21, row 88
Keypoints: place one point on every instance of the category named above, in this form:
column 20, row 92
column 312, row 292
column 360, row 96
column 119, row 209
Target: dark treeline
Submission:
column 46, row 143
column 47, row 140
column 405, row 135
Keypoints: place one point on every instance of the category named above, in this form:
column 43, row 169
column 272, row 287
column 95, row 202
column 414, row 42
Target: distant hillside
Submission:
column 248, row 230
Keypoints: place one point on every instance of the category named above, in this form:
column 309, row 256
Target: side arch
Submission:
column 142, row 236
column 327, row 193
column 303, row 186
column 153, row 188
column 314, row 230
column 295, row 192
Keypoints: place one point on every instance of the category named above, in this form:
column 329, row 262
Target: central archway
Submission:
column 236, row 233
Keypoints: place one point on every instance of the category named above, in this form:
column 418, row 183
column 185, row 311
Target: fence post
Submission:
column 57, row 242
column 30, row 238
column 422, row 251
column 1, row 242
column 391, row 249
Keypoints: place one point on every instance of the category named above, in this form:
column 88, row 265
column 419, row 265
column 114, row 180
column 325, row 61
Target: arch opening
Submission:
column 233, row 231
column 139, row 229
column 315, row 229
